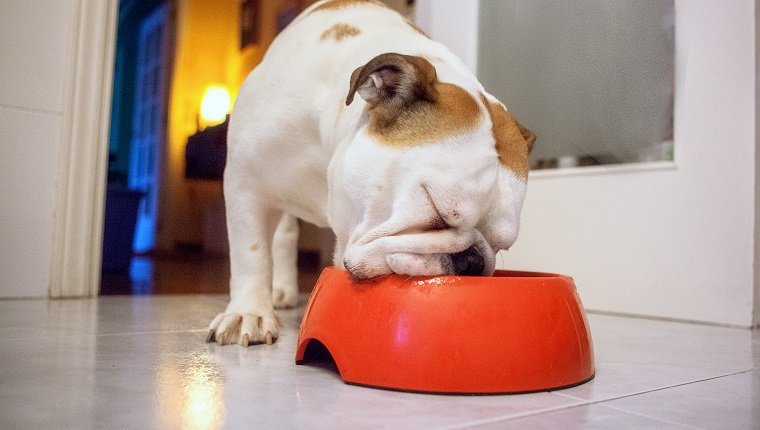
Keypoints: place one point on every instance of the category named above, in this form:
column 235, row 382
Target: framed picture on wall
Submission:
column 250, row 18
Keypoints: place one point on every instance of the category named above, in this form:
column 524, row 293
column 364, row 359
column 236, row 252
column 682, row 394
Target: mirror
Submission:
column 592, row 78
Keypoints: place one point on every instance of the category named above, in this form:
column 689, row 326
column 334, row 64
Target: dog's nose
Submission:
column 468, row 262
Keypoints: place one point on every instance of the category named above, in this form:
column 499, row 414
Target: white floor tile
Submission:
column 587, row 417
column 25, row 319
column 639, row 355
column 730, row 402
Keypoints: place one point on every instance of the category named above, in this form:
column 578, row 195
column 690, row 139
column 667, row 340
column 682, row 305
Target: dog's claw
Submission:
column 243, row 329
column 220, row 339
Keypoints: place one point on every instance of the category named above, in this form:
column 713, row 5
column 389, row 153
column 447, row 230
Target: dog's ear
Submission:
column 528, row 135
column 394, row 80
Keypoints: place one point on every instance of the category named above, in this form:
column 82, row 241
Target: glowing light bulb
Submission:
column 215, row 105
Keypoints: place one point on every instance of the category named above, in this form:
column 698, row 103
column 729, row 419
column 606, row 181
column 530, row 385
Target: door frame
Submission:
column 78, row 231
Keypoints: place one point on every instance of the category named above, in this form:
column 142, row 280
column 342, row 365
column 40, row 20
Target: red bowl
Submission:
column 510, row 333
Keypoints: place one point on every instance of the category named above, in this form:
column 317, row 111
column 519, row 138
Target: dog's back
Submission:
column 293, row 104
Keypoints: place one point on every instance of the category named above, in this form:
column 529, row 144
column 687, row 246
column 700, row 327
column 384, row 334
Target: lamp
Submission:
column 206, row 150
column 215, row 105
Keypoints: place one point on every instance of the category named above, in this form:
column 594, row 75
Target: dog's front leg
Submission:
column 249, row 316
column 285, row 256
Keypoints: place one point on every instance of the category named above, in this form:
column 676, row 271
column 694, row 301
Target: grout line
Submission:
column 193, row 330
column 668, row 319
column 210, row 296
column 139, row 333
column 585, row 402
column 562, row 408
column 599, row 401
column 516, row 416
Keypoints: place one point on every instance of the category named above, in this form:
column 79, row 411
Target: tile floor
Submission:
column 140, row 362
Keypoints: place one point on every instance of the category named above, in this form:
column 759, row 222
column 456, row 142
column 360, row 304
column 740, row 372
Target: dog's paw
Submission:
column 285, row 298
column 243, row 329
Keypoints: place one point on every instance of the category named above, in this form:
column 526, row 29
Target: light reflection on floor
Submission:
column 141, row 275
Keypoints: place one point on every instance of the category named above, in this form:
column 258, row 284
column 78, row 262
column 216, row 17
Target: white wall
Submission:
column 35, row 45
column 452, row 22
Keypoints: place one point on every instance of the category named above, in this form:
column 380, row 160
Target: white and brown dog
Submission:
column 423, row 174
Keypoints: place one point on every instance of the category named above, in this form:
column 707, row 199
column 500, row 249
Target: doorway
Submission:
column 164, row 219
column 136, row 141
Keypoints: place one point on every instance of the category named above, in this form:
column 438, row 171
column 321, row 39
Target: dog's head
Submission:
column 434, row 180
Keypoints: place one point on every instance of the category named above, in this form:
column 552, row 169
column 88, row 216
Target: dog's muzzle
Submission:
column 469, row 262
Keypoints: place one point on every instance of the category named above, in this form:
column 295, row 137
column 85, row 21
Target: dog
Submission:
column 358, row 121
